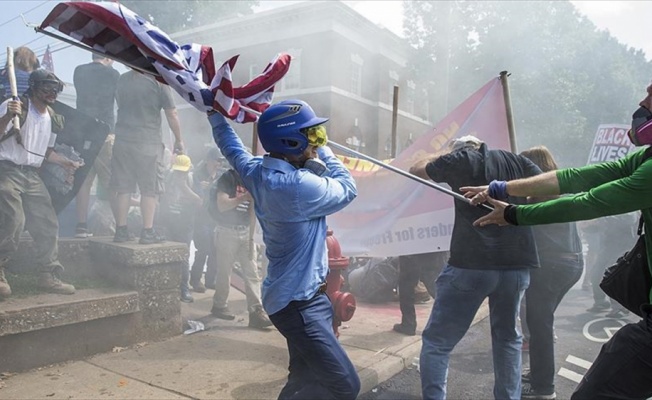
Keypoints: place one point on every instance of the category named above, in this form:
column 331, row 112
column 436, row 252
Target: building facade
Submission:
column 344, row 65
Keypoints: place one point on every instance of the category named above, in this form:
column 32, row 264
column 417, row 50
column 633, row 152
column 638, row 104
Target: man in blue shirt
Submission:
column 294, row 187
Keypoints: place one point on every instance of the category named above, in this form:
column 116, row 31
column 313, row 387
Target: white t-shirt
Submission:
column 37, row 136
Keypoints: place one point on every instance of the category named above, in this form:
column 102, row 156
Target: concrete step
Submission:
column 47, row 328
column 43, row 311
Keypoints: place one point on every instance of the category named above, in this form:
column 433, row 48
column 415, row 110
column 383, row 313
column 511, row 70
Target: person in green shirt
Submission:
column 623, row 368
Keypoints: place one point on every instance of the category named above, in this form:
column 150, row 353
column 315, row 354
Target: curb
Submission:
column 395, row 363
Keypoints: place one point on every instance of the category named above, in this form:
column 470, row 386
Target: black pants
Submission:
column 623, row 369
column 412, row 269
column 548, row 285
column 205, row 254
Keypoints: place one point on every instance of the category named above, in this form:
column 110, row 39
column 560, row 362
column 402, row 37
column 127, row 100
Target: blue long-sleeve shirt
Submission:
column 291, row 206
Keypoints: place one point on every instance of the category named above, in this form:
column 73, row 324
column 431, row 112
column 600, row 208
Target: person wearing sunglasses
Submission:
column 24, row 199
column 294, row 187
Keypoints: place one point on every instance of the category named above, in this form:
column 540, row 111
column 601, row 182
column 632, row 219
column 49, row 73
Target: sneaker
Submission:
column 5, row 289
column 528, row 392
column 223, row 313
column 81, row 231
column 149, row 236
column 405, row 330
column 198, row 287
column 122, row 235
column 47, row 281
column 258, row 319
column 617, row 313
column 186, row 297
column 599, row 307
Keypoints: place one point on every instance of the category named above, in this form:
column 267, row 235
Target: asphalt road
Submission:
column 580, row 336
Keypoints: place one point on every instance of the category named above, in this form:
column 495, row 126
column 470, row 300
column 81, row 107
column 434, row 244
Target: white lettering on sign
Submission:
column 611, row 143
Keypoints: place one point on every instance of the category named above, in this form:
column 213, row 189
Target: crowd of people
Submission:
column 528, row 249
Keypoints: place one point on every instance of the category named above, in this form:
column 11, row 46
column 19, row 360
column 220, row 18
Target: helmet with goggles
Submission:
column 289, row 127
column 42, row 78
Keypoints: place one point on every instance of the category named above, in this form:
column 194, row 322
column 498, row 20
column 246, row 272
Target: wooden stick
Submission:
column 12, row 82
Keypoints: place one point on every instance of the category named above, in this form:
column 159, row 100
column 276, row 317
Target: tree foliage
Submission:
column 567, row 77
column 177, row 15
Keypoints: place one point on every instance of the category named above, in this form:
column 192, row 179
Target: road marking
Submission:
column 607, row 325
column 579, row 362
column 568, row 374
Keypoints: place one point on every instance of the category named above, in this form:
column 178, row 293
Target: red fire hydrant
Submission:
column 343, row 302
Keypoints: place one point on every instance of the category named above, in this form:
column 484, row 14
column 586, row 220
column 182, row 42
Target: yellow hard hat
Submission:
column 182, row 163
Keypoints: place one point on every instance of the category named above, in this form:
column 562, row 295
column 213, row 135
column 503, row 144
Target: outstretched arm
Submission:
column 542, row 185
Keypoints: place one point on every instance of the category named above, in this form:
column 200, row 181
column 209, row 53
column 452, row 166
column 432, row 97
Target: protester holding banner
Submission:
column 560, row 253
column 413, row 269
column 294, row 188
column 497, row 268
column 622, row 370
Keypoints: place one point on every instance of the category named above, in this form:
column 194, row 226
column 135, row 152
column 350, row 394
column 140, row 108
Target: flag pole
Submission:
column 397, row 170
column 508, row 110
column 406, row 174
column 92, row 50
column 394, row 122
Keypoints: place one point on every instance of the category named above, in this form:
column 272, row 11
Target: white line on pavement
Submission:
column 568, row 374
column 579, row 362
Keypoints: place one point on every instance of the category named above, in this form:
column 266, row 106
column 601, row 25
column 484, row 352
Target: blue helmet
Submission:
column 280, row 126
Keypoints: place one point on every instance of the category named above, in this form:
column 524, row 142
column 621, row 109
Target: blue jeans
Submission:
column 460, row 292
column 319, row 366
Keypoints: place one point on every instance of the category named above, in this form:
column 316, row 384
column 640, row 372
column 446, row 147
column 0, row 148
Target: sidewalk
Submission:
column 226, row 361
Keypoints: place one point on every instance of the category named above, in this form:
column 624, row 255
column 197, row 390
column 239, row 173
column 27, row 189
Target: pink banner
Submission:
column 394, row 215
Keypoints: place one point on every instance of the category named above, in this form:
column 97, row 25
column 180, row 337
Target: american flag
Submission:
column 117, row 32
column 46, row 62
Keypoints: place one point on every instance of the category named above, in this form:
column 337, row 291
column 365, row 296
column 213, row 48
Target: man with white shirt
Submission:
column 24, row 199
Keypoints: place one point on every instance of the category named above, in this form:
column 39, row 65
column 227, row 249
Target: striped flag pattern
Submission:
column 119, row 33
column 47, row 63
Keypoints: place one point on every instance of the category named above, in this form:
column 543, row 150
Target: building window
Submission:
column 356, row 74
column 292, row 80
column 410, row 96
column 393, row 81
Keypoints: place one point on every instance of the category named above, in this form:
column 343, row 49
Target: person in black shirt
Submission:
column 483, row 263
column 232, row 245
column 95, row 84
column 203, row 178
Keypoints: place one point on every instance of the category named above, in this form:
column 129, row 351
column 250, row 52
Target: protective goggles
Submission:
column 316, row 135
column 49, row 87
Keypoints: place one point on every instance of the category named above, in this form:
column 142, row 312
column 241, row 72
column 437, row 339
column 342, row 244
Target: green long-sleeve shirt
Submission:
column 610, row 188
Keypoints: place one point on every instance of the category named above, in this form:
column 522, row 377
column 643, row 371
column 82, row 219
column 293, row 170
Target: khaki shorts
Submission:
column 136, row 165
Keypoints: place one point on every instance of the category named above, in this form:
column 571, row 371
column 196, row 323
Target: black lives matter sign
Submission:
column 611, row 143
